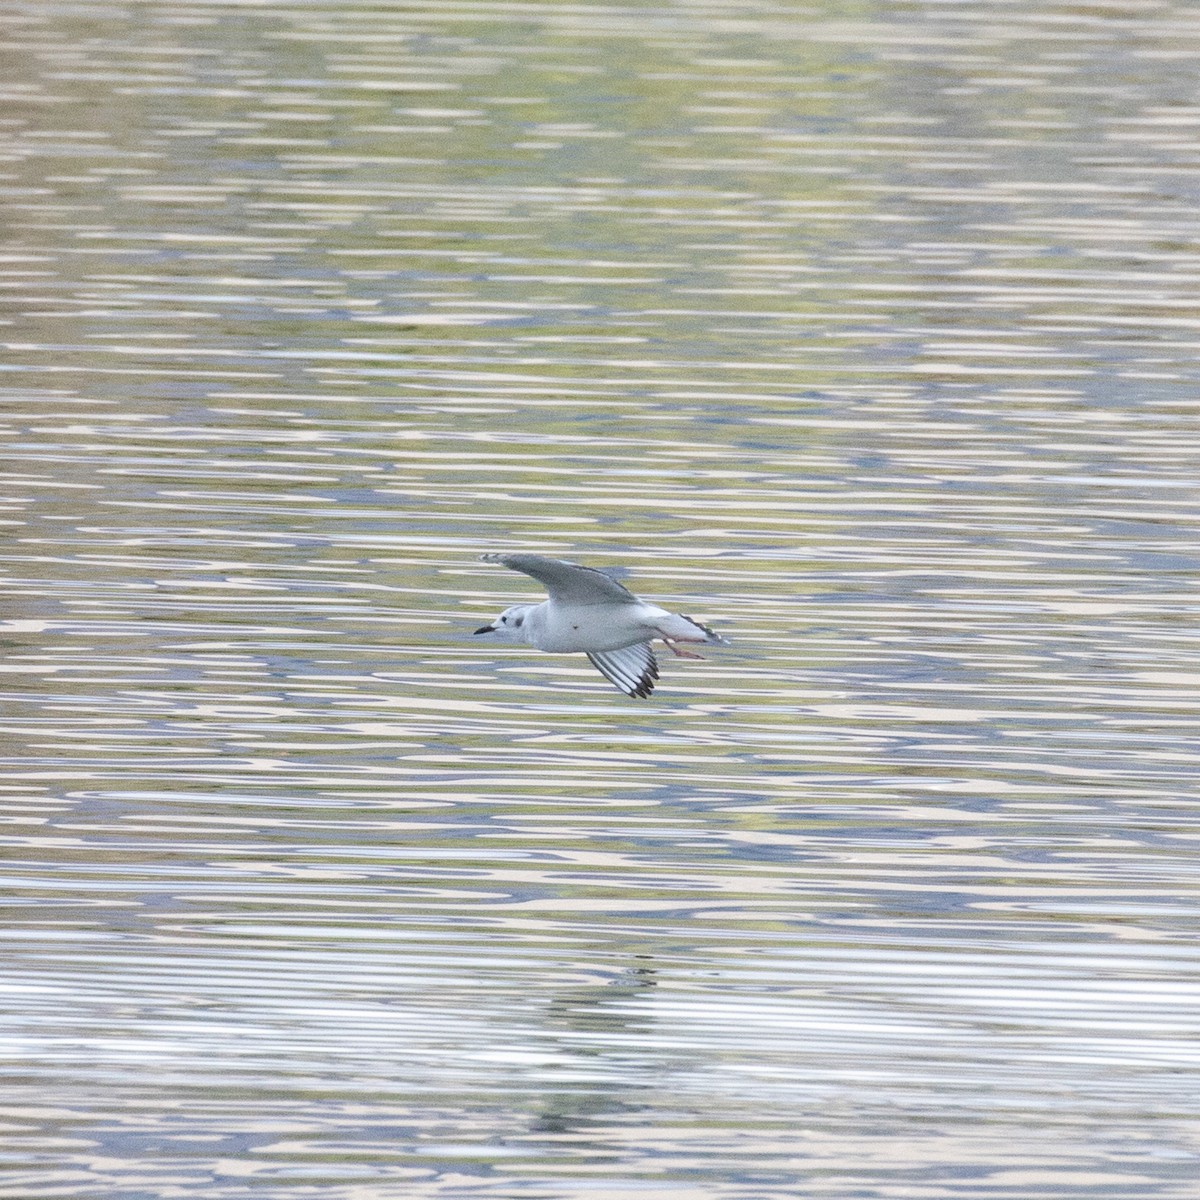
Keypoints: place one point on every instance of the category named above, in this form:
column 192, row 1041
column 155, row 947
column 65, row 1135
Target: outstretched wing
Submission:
column 632, row 668
column 566, row 582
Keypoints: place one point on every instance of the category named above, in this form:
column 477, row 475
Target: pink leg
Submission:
column 681, row 653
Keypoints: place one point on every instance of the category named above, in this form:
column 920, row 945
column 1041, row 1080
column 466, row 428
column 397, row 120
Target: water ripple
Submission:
column 869, row 338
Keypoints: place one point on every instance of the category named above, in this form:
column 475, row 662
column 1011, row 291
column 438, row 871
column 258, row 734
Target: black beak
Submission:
column 485, row 629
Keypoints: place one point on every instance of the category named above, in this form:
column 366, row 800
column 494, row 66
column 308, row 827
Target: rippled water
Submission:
column 867, row 332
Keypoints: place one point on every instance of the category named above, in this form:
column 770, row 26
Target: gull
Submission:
column 590, row 611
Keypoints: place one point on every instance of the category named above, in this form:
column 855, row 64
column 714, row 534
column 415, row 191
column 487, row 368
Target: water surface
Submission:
column 866, row 332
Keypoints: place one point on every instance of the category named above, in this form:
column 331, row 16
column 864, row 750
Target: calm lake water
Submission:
column 867, row 332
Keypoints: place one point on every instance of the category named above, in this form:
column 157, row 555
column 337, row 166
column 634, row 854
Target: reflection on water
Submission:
column 868, row 332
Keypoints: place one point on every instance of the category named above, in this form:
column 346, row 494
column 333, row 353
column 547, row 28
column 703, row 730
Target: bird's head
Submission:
column 509, row 626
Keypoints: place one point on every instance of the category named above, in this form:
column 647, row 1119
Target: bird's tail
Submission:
column 684, row 629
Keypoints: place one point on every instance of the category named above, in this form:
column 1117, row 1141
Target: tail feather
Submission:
column 687, row 629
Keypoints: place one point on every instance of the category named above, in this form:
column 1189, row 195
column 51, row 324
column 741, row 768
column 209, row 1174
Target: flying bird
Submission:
column 590, row 611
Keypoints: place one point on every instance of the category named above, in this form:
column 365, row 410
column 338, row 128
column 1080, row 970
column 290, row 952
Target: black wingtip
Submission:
column 645, row 685
column 622, row 678
column 643, row 689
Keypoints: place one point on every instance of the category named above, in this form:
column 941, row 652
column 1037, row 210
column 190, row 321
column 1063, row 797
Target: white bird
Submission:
column 590, row 611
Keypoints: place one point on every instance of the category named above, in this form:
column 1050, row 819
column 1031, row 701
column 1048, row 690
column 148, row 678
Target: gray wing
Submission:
column 565, row 581
column 632, row 668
